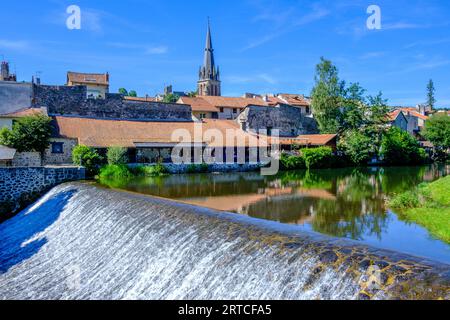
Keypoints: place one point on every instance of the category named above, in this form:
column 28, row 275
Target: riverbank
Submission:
column 428, row 205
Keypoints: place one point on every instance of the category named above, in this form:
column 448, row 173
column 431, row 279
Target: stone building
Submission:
column 5, row 74
column 209, row 76
column 97, row 83
column 289, row 121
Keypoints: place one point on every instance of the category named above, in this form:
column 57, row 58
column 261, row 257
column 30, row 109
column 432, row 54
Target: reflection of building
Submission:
column 97, row 83
column 5, row 75
column 209, row 75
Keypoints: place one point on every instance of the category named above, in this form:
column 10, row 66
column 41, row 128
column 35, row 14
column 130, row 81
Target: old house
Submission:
column 97, row 83
column 398, row 119
column 289, row 121
column 227, row 108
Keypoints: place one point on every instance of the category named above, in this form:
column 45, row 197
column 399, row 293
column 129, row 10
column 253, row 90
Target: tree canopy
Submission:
column 28, row 134
column 437, row 130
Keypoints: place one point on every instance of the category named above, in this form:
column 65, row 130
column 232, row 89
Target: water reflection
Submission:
column 339, row 202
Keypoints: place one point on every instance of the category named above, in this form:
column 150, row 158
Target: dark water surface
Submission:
column 347, row 203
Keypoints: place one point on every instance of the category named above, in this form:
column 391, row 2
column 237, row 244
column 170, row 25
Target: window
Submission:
column 307, row 110
column 221, row 110
column 234, row 110
column 202, row 115
column 269, row 131
column 57, row 147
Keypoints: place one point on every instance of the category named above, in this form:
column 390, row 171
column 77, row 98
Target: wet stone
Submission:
column 328, row 257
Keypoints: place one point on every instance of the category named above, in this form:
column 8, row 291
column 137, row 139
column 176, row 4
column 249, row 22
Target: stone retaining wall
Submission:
column 17, row 183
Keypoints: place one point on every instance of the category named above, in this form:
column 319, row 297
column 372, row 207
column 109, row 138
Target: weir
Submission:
column 81, row 241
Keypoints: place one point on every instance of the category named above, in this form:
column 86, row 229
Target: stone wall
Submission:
column 287, row 119
column 65, row 157
column 27, row 159
column 72, row 101
column 16, row 183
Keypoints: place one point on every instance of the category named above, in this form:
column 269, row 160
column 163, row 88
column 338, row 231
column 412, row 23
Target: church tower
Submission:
column 209, row 75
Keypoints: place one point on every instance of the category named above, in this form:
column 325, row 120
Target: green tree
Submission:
column 86, row 157
column 437, row 130
column 317, row 158
column 117, row 155
column 354, row 108
column 431, row 101
column 193, row 94
column 123, row 91
column 132, row 93
column 28, row 134
column 398, row 147
column 327, row 97
column 171, row 98
column 358, row 146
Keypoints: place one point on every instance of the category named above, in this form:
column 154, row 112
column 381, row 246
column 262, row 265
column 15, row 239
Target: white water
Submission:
column 128, row 247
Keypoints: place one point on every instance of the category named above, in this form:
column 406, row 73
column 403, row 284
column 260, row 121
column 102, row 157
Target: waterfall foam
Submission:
column 85, row 242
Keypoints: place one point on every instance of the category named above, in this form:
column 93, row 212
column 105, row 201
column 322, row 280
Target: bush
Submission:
column 405, row 200
column 291, row 162
column 28, row 134
column 398, row 147
column 117, row 156
column 149, row 171
column 86, row 157
column 318, row 158
column 115, row 172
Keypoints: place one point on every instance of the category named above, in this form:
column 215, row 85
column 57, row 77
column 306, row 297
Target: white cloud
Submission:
column 145, row 48
column 14, row 44
column 158, row 50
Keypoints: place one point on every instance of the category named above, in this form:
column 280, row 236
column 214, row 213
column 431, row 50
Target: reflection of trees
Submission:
column 300, row 196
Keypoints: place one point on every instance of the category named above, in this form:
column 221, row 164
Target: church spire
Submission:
column 209, row 78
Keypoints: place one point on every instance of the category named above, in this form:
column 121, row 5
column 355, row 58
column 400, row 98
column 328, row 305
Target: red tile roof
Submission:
column 105, row 133
column 212, row 104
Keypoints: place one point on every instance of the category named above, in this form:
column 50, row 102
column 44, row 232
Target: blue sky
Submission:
column 260, row 46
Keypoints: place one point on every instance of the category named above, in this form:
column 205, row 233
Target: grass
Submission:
column 428, row 206
column 123, row 172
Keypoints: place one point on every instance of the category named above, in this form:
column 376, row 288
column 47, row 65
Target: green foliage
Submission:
column 431, row 100
column 171, row 98
column 427, row 205
column 117, row 155
column 318, row 158
column 192, row 94
column 28, row 134
column 123, row 91
column 86, row 157
column 150, row 171
column 292, row 162
column 327, row 97
column 437, row 130
column 197, row 168
column 398, row 147
column 115, row 172
column 357, row 146
column 132, row 93
column 406, row 200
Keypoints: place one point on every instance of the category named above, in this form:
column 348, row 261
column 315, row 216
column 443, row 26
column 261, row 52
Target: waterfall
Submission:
column 81, row 241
